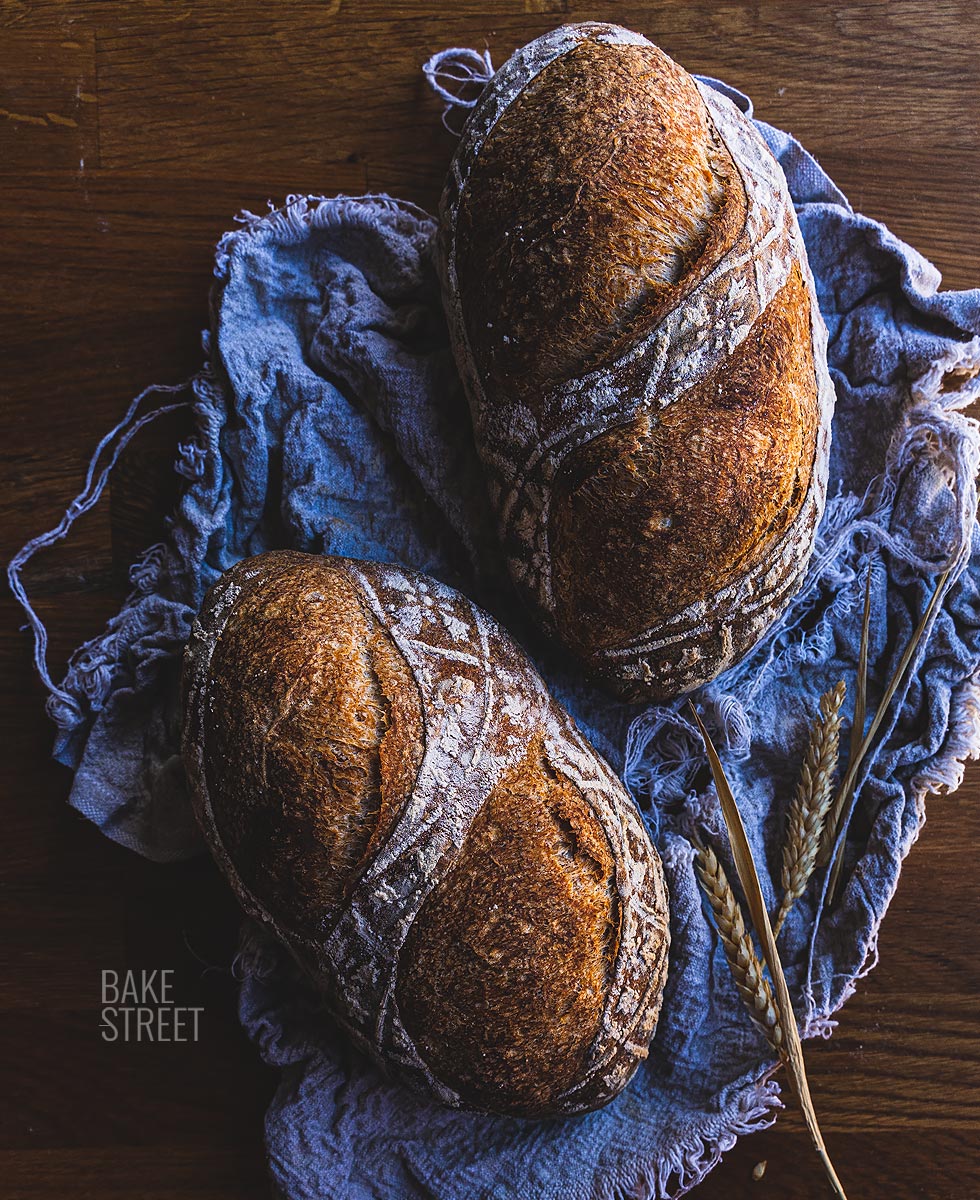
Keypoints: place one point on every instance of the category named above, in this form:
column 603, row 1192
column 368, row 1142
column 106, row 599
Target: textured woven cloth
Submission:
column 330, row 419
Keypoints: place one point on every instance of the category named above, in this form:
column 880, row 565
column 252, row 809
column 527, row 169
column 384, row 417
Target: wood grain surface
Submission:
column 130, row 134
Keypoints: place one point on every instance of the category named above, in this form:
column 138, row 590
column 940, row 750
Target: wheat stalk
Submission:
column 791, row 1048
column 845, row 794
column 811, row 803
column 743, row 962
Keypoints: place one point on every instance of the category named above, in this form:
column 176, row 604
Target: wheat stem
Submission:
column 811, row 803
column 846, row 792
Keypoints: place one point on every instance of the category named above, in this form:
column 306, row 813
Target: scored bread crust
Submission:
column 483, row 713
column 531, row 438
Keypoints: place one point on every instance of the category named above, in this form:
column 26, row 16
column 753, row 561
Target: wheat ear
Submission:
column 743, row 962
column 811, row 803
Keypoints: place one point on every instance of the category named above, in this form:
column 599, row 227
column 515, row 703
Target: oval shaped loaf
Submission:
column 388, row 785
column 636, row 327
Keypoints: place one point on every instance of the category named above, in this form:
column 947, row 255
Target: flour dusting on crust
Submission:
column 523, row 452
column 481, row 701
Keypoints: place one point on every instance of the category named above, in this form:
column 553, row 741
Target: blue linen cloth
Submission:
column 330, row 419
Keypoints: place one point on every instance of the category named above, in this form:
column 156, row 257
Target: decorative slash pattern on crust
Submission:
column 481, row 699
column 523, row 450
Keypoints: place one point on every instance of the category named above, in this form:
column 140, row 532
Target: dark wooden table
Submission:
column 130, row 133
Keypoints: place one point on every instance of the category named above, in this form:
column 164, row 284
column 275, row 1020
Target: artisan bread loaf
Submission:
column 636, row 327
column 389, row 787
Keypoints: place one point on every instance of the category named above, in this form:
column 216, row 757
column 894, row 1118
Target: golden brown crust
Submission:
column 372, row 760
column 503, row 977
column 601, row 198
column 612, row 231
column 694, row 495
column 314, row 736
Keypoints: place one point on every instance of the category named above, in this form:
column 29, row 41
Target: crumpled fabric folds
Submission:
column 330, row 419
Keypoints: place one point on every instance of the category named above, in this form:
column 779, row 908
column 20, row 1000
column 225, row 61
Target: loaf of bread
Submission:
column 636, row 327
column 388, row 786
